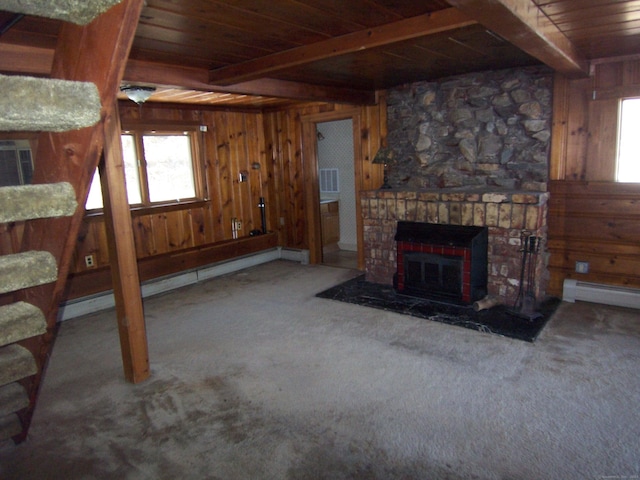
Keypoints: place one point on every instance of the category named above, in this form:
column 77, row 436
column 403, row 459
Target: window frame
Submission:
column 619, row 132
column 20, row 145
column 138, row 130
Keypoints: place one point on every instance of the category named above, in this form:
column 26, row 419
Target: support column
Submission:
column 122, row 256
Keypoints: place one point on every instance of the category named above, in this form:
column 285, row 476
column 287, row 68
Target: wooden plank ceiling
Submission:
column 257, row 54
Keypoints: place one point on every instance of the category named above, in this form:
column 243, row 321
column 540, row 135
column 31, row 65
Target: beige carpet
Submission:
column 256, row 378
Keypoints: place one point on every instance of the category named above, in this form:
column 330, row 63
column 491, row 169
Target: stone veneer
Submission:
column 487, row 129
column 506, row 214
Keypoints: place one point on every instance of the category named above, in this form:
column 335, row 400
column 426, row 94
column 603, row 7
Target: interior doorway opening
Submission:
column 360, row 183
column 337, row 187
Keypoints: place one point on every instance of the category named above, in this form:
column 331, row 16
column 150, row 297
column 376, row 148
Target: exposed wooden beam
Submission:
column 406, row 29
column 524, row 24
column 37, row 61
column 197, row 79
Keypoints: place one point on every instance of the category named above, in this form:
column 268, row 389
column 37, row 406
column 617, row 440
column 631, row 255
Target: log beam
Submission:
column 270, row 65
column 23, row 59
column 197, row 79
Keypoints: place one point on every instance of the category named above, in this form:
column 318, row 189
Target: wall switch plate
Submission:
column 582, row 267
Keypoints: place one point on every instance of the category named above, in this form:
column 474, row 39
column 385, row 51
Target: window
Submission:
column 628, row 162
column 329, row 180
column 16, row 165
column 161, row 167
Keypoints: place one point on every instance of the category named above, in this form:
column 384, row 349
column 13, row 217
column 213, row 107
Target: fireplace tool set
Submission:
column 525, row 304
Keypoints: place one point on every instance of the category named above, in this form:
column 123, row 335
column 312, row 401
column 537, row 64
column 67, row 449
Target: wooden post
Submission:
column 122, row 256
column 96, row 52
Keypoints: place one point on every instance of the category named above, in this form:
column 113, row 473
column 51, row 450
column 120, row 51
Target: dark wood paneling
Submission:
column 597, row 223
column 218, row 34
column 585, row 119
column 597, row 28
column 602, row 140
column 234, row 142
column 99, row 279
column 205, row 36
column 284, row 141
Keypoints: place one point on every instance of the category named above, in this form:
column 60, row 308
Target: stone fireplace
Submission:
column 470, row 150
column 507, row 215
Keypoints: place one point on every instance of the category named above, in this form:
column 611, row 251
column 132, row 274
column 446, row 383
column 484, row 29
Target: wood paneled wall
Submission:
column 269, row 146
column 292, row 172
column 232, row 143
column 592, row 218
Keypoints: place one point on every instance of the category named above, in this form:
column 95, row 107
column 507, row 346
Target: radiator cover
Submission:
column 599, row 293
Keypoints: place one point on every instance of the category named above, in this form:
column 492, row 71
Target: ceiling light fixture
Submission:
column 137, row 93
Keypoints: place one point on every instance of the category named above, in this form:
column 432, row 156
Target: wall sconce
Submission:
column 137, row 93
column 384, row 157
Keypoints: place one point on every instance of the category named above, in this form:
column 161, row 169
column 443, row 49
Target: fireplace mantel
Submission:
column 506, row 213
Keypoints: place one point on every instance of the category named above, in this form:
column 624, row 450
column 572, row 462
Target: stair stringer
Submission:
column 96, row 53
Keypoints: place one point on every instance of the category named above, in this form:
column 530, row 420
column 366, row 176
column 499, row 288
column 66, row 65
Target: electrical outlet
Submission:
column 89, row 261
column 238, row 225
column 582, row 267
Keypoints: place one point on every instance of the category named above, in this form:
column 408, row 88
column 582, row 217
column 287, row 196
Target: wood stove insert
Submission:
column 441, row 262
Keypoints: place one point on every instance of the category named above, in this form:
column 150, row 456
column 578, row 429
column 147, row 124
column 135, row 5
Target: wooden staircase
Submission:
column 70, row 109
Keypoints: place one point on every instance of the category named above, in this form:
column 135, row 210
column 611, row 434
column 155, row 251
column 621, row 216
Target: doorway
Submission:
column 312, row 181
column 337, row 187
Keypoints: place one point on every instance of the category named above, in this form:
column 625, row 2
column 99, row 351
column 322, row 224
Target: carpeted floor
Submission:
column 499, row 319
column 254, row 377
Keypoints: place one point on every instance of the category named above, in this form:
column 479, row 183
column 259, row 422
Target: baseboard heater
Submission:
column 102, row 301
column 598, row 293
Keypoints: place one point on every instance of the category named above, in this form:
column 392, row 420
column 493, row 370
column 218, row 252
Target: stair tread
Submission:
column 20, row 320
column 16, row 362
column 13, row 397
column 47, row 104
column 10, row 426
column 80, row 13
column 26, row 269
column 25, row 202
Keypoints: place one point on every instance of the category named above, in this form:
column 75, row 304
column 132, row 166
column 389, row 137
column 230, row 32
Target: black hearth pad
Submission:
column 497, row 320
